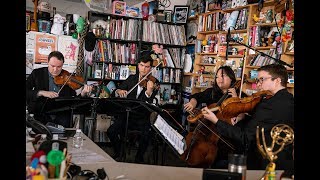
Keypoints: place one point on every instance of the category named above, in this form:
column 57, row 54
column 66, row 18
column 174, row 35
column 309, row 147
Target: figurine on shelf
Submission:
column 202, row 69
column 269, row 16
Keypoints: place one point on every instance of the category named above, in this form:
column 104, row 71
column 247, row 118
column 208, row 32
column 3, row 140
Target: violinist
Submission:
column 279, row 108
column 145, row 91
column 223, row 82
column 40, row 86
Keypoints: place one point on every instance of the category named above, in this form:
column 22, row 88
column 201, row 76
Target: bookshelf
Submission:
column 173, row 39
column 210, row 46
column 117, row 47
column 279, row 50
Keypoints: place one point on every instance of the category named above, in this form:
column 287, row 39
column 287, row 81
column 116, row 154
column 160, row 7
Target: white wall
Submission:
column 64, row 7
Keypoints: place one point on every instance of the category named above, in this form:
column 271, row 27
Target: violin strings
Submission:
column 223, row 140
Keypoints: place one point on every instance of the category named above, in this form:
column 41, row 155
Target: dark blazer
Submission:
column 142, row 116
column 279, row 109
column 130, row 82
column 39, row 80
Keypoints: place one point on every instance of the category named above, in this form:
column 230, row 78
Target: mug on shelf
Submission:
column 205, row 49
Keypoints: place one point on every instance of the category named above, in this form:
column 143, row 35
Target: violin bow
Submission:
column 223, row 140
column 67, row 80
column 144, row 77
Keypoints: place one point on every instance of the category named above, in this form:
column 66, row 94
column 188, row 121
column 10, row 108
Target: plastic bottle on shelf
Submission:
column 42, row 139
column 78, row 139
column 145, row 10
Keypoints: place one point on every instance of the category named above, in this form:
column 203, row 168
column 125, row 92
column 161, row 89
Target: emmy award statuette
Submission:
column 281, row 135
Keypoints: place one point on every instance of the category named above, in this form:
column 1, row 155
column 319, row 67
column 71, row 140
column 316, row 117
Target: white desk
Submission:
column 153, row 172
column 90, row 153
column 132, row 171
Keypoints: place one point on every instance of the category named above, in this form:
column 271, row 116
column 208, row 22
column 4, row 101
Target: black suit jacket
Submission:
column 130, row 82
column 279, row 109
column 142, row 116
column 39, row 80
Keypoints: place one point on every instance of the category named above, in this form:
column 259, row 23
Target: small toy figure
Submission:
column 202, row 69
column 57, row 27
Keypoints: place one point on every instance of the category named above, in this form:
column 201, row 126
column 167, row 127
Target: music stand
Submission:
column 117, row 106
column 60, row 104
column 165, row 115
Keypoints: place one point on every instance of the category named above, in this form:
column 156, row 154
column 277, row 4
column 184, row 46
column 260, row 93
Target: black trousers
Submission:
column 62, row 118
column 117, row 131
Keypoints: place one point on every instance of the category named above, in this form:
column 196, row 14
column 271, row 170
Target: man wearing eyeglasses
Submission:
column 278, row 109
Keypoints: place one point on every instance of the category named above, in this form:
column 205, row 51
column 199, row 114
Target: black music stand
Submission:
column 171, row 122
column 71, row 104
column 118, row 106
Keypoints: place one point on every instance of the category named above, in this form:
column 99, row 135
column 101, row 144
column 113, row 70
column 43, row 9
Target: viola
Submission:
column 73, row 81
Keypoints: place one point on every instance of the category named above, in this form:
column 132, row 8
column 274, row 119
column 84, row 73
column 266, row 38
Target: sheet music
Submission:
column 172, row 136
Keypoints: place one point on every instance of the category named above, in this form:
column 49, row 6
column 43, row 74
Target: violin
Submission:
column 144, row 82
column 73, row 81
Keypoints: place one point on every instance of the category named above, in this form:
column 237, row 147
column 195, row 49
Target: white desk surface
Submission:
column 131, row 171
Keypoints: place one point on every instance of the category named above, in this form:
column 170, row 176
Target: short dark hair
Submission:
column 56, row 54
column 276, row 71
column 146, row 57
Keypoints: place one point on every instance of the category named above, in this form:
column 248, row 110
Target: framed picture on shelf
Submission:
column 119, row 8
column 180, row 13
column 167, row 15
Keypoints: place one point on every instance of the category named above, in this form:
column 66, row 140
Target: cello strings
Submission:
column 223, row 140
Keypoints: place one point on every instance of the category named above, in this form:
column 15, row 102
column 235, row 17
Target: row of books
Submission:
column 163, row 33
column 167, row 75
column 110, row 71
column 222, row 21
column 106, row 51
column 173, row 57
column 261, row 60
column 124, row 29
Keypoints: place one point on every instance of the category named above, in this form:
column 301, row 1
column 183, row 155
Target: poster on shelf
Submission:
column 69, row 47
column 44, row 44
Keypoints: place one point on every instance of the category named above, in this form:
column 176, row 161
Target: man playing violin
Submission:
column 40, row 87
column 277, row 109
column 132, row 89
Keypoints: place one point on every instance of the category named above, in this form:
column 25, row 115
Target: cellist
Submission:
column 278, row 109
column 224, row 79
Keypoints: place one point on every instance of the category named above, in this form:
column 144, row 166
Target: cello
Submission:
column 202, row 143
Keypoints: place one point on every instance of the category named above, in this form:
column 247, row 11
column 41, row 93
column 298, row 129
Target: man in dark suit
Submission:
column 40, row 87
column 138, row 121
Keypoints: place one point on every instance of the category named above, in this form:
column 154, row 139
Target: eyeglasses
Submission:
column 260, row 80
